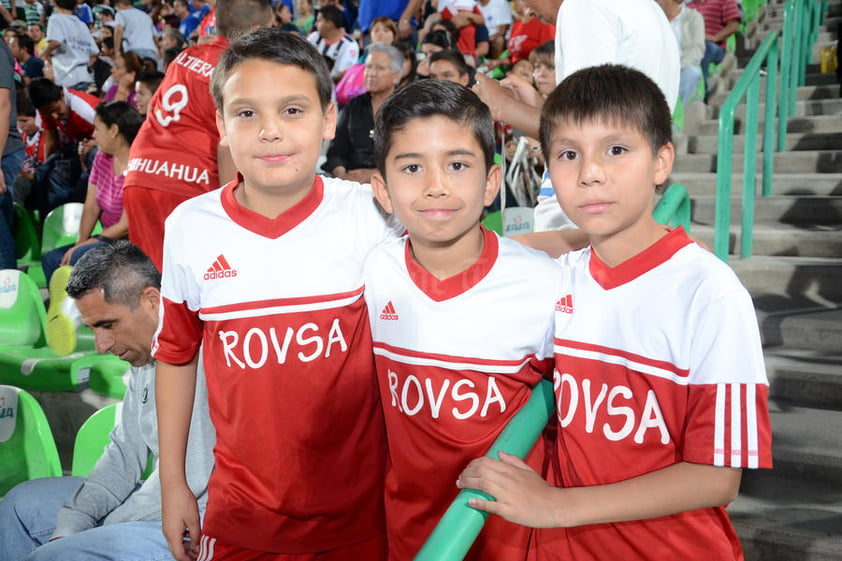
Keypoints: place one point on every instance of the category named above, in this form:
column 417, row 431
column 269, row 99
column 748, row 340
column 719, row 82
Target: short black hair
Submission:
column 122, row 114
column 151, row 78
column 43, row 91
column 430, row 98
column 120, row 269
column 273, row 45
column 439, row 38
column 454, row 57
column 66, row 4
column 608, row 93
column 26, row 43
column 332, row 14
column 24, row 105
column 235, row 17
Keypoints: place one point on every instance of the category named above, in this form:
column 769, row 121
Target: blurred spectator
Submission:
column 410, row 63
column 23, row 49
column 70, row 47
column 146, row 85
column 722, row 18
column 384, row 32
column 401, row 11
column 134, row 32
column 306, row 17
column 689, row 29
column 103, row 64
column 13, row 155
column 36, row 31
column 339, row 49
column 542, row 58
column 283, row 18
column 84, row 13
column 189, row 15
column 123, row 75
column 29, row 125
column 348, row 17
column 351, row 152
column 33, row 12
column 450, row 65
column 527, row 33
column 433, row 42
column 498, row 19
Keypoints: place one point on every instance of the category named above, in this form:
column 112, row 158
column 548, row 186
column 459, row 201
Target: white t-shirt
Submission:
column 344, row 52
column 634, row 33
column 70, row 60
column 496, row 13
column 138, row 30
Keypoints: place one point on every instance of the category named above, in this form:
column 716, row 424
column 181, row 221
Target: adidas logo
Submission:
column 389, row 312
column 565, row 304
column 220, row 269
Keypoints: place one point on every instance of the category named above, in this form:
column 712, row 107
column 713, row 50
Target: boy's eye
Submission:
column 569, row 155
column 412, row 168
column 616, row 150
column 245, row 114
column 293, row 111
column 458, row 166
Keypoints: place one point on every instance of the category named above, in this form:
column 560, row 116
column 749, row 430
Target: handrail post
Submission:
column 769, row 123
column 749, row 166
column 787, row 102
column 722, row 220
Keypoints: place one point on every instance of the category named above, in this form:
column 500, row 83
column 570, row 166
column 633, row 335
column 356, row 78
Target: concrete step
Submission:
column 813, row 123
column 802, row 184
column 809, row 378
column 812, row 327
column 791, row 209
column 784, row 240
column 791, row 283
column 799, row 141
column 805, row 161
column 806, row 442
column 818, row 92
column 803, row 108
column 781, row 518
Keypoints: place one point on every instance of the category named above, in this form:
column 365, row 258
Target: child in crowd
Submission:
column 542, row 58
column 70, row 47
column 660, row 384
column 265, row 274
column 462, row 320
column 145, row 86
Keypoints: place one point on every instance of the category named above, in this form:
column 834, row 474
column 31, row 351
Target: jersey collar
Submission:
column 268, row 227
column 654, row 255
column 440, row 290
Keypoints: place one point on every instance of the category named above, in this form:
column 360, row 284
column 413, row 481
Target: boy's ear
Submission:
column 492, row 184
column 663, row 161
column 220, row 127
column 330, row 121
column 378, row 185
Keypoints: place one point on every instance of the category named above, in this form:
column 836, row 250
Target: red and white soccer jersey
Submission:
column 278, row 306
column 456, row 359
column 658, row 361
column 175, row 149
column 79, row 123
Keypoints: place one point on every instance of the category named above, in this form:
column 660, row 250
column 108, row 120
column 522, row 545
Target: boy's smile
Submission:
column 604, row 176
column 274, row 125
column 438, row 186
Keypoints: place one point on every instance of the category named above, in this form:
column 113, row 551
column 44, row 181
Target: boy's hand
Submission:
column 180, row 514
column 522, row 496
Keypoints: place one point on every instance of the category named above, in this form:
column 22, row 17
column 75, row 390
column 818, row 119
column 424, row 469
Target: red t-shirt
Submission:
column 716, row 14
column 175, row 150
column 524, row 37
column 79, row 124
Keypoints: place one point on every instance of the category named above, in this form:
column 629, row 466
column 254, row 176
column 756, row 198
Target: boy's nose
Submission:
column 591, row 171
column 437, row 184
column 270, row 131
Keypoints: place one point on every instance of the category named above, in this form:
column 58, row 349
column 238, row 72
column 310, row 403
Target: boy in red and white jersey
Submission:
column 265, row 274
column 67, row 116
column 176, row 154
column 462, row 320
column 660, row 384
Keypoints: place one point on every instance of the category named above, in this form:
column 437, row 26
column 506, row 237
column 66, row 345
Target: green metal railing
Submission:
column 459, row 526
column 674, row 208
column 802, row 19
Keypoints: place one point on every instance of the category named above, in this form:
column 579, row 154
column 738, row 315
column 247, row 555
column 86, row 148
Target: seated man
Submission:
column 689, row 29
column 722, row 18
column 450, row 65
column 113, row 513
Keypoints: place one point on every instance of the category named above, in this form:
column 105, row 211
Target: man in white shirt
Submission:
column 498, row 19
column 134, row 32
column 70, row 47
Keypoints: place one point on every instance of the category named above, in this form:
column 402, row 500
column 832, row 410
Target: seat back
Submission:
column 22, row 314
column 27, row 247
column 92, row 438
column 61, row 226
column 27, row 448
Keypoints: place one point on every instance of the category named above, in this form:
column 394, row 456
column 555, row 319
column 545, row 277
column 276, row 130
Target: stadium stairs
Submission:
column 794, row 511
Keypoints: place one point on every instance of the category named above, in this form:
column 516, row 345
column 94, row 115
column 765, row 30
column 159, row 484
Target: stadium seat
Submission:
column 25, row 359
column 106, row 374
column 92, row 438
column 27, row 246
column 61, row 226
column 27, row 448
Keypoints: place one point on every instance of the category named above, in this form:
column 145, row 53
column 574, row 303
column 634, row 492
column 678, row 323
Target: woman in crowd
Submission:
column 123, row 75
column 115, row 126
column 351, row 153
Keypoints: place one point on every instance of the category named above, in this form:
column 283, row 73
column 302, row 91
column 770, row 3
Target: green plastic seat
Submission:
column 494, row 222
column 92, row 438
column 25, row 359
column 61, row 226
column 27, row 246
column 106, row 374
column 27, row 448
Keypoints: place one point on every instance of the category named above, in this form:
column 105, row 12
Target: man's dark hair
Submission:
column 273, row 45
column 24, row 104
column 43, row 91
column 26, row 43
column 608, row 93
column 66, row 4
column 430, row 98
column 235, row 17
column 454, row 57
column 439, row 38
column 152, row 79
column 120, row 269
column 332, row 14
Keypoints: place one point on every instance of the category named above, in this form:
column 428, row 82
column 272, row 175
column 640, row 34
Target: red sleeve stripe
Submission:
column 638, row 363
column 737, row 438
column 488, row 366
column 179, row 333
column 259, row 308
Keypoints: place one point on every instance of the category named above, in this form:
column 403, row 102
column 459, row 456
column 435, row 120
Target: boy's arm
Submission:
column 175, row 386
column 523, row 497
